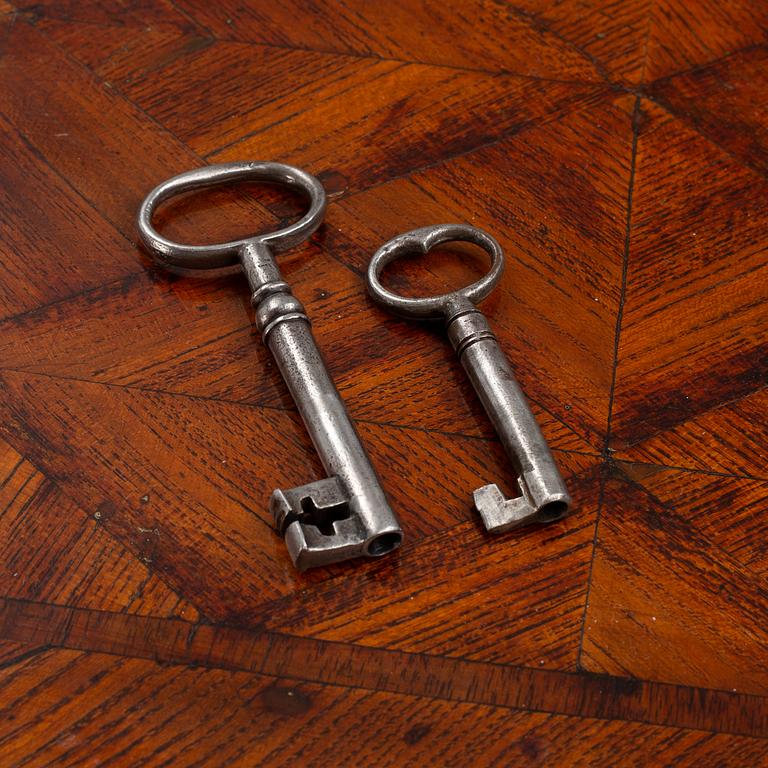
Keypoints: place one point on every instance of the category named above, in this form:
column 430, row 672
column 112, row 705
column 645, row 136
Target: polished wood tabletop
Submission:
column 150, row 615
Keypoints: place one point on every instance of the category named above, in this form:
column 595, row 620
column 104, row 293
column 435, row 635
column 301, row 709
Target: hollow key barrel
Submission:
column 543, row 496
column 345, row 515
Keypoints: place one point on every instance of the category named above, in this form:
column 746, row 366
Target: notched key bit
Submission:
column 316, row 520
column 543, row 496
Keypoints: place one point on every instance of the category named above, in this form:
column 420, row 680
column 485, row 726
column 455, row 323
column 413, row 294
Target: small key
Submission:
column 347, row 514
column 543, row 496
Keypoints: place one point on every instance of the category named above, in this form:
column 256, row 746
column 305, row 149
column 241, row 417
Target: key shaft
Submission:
column 372, row 528
column 544, row 496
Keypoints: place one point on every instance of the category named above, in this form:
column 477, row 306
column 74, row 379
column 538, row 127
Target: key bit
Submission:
column 318, row 524
column 543, row 496
column 500, row 514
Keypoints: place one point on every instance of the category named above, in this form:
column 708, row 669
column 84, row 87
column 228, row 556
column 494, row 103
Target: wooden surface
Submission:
column 619, row 152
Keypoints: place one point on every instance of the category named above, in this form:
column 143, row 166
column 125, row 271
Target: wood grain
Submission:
column 728, row 439
column 452, row 34
column 561, row 336
column 682, row 37
column 661, row 574
column 699, row 233
column 217, row 498
column 53, row 552
column 430, row 112
column 150, row 616
column 235, row 718
column 738, row 123
column 168, row 641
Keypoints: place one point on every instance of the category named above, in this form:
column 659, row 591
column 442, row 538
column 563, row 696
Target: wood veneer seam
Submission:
column 579, row 707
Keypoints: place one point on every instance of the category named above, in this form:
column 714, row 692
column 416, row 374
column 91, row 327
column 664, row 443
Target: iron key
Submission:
column 543, row 497
column 347, row 514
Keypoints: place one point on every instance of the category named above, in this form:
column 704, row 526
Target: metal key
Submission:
column 347, row 514
column 544, row 497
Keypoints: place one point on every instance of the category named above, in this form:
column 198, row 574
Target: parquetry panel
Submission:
column 727, row 510
column 683, row 35
column 12, row 653
column 107, row 12
column 524, row 605
column 693, row 330
column 613, row 34
column 195, row 337
column 667, row 598
column 99, row 165
column 724, row 103
column 124, row 51
column 51, row 551
column 47, row 228
column 146, row 424
column 368, row 120
column 729, row 438
column 190, row 471
column 555, row 309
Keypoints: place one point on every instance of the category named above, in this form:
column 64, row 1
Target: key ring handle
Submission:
column 423, row 240
column 227, row 254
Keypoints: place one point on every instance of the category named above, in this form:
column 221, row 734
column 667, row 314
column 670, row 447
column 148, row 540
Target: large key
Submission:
column 543, row 497
column 347, row 514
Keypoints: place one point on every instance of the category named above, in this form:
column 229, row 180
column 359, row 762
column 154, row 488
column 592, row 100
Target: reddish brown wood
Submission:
column 235, row 718
column 700, row 233
column 451, row 34
column 673, row 597
column 682, row 37
column 52, row 552
column 148, row 613
column 510, row 687
column 721, row 101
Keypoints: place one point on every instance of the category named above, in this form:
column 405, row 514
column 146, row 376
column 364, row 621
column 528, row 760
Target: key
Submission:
column 345, row 515
column 543, row 497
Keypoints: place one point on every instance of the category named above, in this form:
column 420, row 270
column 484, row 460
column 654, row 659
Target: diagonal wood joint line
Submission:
column 536, row 22
column 290, row 409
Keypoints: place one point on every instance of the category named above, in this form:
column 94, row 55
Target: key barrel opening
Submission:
column 552, row 511
column 385, row 543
